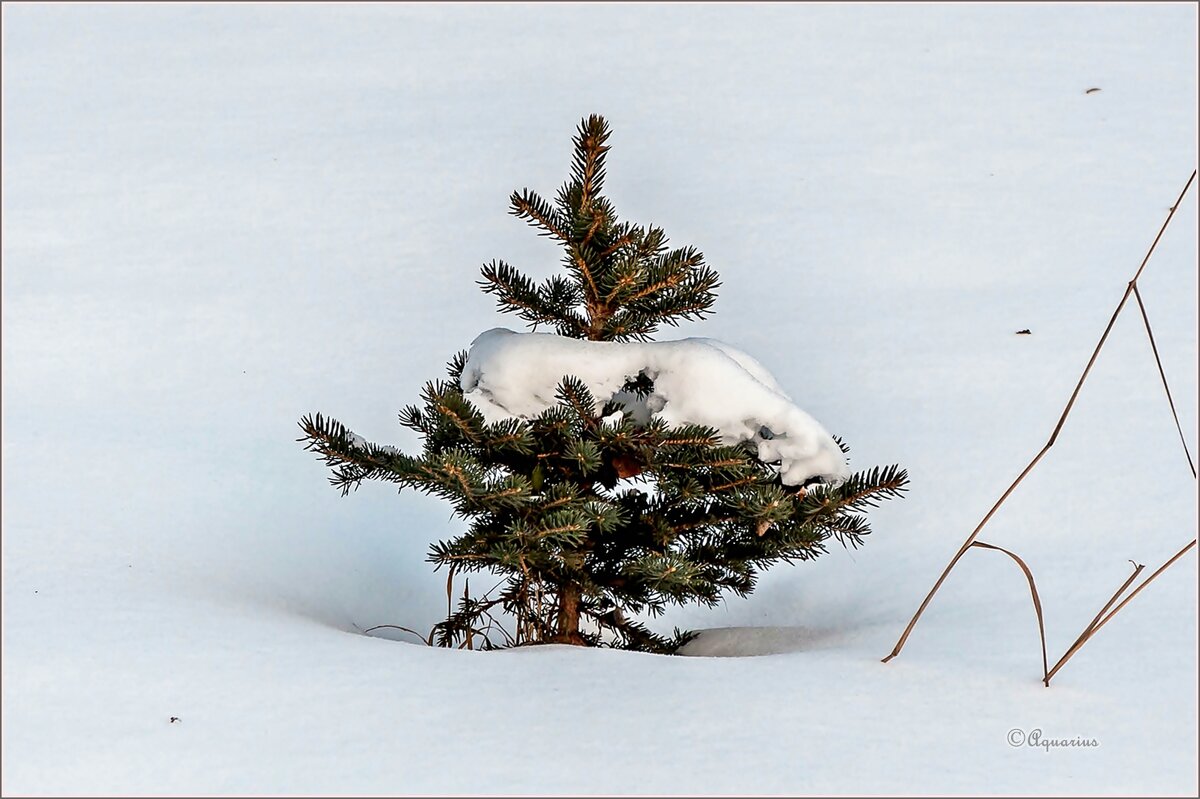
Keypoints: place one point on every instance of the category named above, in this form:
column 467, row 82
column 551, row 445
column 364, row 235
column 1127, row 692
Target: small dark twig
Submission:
column 427, row 641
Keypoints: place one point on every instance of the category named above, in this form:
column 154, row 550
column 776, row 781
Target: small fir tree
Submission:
column 582, row 552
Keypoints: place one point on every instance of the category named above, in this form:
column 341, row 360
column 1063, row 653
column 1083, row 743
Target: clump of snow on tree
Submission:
column 697, row 381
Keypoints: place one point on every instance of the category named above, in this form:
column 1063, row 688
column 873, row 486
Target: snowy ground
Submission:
column 218, row 218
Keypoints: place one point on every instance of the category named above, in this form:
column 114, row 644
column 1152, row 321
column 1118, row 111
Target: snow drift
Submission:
column 696, row 381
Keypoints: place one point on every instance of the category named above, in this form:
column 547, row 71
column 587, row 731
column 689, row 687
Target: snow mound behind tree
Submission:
column 696, row 381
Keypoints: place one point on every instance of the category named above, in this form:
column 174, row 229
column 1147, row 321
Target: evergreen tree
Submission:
column 544, row 507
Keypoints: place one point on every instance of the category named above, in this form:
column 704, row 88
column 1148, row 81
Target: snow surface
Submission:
column 217, row 218
column 696, row 381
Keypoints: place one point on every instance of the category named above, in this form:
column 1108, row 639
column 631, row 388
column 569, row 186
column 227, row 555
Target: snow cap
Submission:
column 696, row 381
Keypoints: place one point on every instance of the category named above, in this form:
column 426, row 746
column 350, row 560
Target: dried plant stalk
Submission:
column 1137, row 295
column 1037, row 601
column 1102, row 619
column 1131, row 289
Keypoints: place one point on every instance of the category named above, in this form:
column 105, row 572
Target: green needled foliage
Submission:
column 591, row 524
column 621, row 280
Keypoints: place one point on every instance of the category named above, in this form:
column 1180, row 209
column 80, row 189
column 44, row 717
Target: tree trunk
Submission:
column 568, row 615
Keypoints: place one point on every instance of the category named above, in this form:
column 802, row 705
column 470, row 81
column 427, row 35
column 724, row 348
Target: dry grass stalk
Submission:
column 1101, row 619
column 1137, row 295
column 1037, row 601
